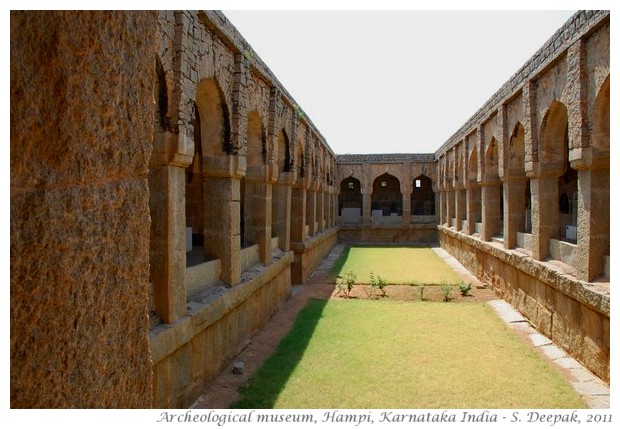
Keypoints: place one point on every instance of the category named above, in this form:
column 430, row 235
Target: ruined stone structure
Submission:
column 524, row 190
column 167, row 192
column 387, row 198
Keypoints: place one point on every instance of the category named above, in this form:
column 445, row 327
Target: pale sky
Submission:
column 393, row 81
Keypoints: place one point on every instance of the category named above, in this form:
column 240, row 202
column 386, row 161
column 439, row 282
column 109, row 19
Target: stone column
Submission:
column 472, row 197
column 406, row 208
column 281, row 213
column 514, row 210
column 593, row 238
column 298, row 214
column 449, row 206
column 545, row 214
column 320, row 210
column 490, row 210
column 442, row 207
column 366, row 213
column 311, row 211
column 222, row 225
column 167, row 207
column 460, row 207
column 258, row 195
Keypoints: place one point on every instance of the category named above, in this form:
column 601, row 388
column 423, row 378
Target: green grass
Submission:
column 398, row 265
column 389, row 354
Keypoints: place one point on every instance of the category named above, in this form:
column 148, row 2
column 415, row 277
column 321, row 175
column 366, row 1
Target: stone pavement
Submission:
column 592, row 389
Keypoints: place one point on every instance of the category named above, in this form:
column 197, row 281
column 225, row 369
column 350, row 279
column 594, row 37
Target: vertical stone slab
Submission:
column 366, row 205
column 545, row 215
column 406, row 208
column 222, row 225
column 167, row 247
column 514, row 211
column 460, row 206
column 281, row 214
column 320, row 210
column 490, row 211
column 450, row 207
column 593, row 223
column 79, row 220
column 311, row 220
column 258, row 217
column 298, row 215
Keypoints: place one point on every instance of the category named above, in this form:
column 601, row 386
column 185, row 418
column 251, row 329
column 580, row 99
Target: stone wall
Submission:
column 190, row 352
column 572, row 313
column 236, row 160
column 80, row 82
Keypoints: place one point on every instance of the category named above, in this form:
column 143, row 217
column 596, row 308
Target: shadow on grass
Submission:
column 264, row 387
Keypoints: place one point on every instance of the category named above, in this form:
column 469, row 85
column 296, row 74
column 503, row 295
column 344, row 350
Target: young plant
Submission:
column 447, row 290
column 345, row 284
column 378, row 282
column 464, row 288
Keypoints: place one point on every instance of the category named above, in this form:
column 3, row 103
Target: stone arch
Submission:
column 491, row 158
column 474, row 193
column 600, row 122
column 516, row 152
column 256, row 154
column 214, row 123
column 554, row 139
column 386, row 196
column 284, row 156
column 300, row 160
column 422, row 197
column 350, row 200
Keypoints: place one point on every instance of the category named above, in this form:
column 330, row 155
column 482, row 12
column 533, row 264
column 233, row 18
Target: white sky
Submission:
column 394, row 81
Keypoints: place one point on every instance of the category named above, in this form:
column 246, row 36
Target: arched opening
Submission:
column 252, row 187
column 386, row 200
column 597, row 211
column 212, row 121
column 474, row 195
column 298, row 197
column 422, row 197
column 492, row 194
column 350, row 201
column 194, row 200
column 554, row 157
column 284, row 157
column 520, row 207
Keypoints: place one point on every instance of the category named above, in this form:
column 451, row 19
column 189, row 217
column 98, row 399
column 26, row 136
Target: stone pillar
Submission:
column 366, row 213
column 442, row 207
column 281, row 214
column 545, row 214
column 472, row 197
column 298, row 214
column 222, row 225
column 406, row 208
column 490, row 210
column 167, row 208
column 257, row 230
column 449, row 206
column 460, row 207
column 593, row 238
column 320, row 210
column 514, row 210
column 311, row 211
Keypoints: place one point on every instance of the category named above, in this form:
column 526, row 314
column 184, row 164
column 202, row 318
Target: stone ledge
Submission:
column 582, row 292
column 165, row 339
column 312, row 242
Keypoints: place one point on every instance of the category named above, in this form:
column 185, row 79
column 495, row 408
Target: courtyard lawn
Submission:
column 391, row 354
column 397, row 265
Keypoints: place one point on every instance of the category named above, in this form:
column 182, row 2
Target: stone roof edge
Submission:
column 578, row 25
column 227, row 31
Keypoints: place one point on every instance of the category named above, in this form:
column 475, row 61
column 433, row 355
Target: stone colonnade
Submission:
column 242, row 199
column 524, row 190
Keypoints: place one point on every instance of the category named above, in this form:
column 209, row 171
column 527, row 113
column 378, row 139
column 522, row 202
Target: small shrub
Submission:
column 378, row 282
column 345, row 283
column 464, row 288
column 447, row 291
